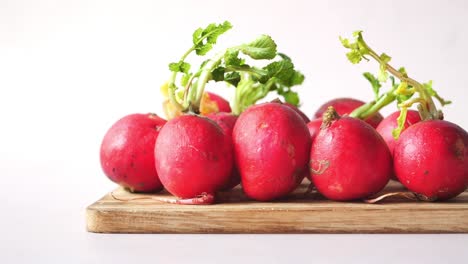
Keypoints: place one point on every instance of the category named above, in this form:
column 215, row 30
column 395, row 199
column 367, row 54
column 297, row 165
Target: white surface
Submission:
column 69, row 69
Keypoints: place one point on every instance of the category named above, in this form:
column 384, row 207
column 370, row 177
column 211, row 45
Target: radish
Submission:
column 390, row 123
column 314, row 127
column 271, row 144
column 127, row 152
column 302, row 115
column 210, row 103
column 222, row 104
column 349, row 160
column 299, row 112
column 227, row 121
column 430, row 157
column 293, row 107
column 346, row 106
column 193, row 156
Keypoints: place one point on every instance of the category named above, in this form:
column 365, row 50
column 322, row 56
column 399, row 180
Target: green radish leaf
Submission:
column 358, row 48
column 402, row 70
column 354, row 56
column 433, row 93
column 346, row 43
column 185, row 78
column 383, row 74
column 401, row 123
column 205, row 38
column 180, row 66
column 392, row 79
column 218, row 74
column 291, row 97
column 297, row 78
column 374, row 82
column 284, row 72
column 231, row 58
column 429, row 88
column 262, row 48
column 284, row 56
column 403, row 92
column 232, row 78
column 252, row 83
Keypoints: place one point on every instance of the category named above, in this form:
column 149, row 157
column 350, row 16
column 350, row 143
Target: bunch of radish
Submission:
column 430, row 155
column 348, row 151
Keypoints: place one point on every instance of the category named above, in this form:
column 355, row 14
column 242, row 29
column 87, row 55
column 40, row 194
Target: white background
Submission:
column 69, row 69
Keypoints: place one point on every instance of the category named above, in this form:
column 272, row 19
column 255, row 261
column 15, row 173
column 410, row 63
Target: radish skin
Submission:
column 389, row 123
column 227, row 121
column 298, row 111
column 271, row 144
column 223, row 104
column 431, row 159
column 349, row 160
column 314, row 127
column 127, row 149
column 193, row 156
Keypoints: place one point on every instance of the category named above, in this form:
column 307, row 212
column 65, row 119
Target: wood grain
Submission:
column 298, row 213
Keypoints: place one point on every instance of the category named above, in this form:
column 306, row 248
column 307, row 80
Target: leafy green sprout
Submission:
column 402, row 92
column 252, row 83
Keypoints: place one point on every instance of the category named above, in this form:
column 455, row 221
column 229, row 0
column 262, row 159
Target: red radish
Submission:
column 271, row 144
column 301, row 114
column 211, row 103
column 223, row 104
column 431, row 159
column 293, row 107
column 298, row 111
column 390, row 123
column 314, row 127
column 386, row 127
column 127, row 152
column 346, row 106
column 227, row 121
column 349, row 160
column 193, row 156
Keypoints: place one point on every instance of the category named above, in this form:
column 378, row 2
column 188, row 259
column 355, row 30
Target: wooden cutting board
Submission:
column 298, row 213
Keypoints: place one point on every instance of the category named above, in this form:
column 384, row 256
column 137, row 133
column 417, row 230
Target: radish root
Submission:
column 408, row 195
column 202, row 199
